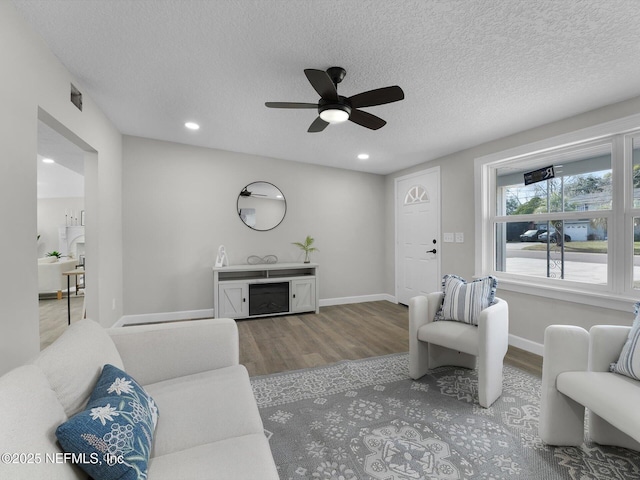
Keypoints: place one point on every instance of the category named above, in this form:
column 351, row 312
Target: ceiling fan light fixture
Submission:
column 335, row 113
column 334, row 108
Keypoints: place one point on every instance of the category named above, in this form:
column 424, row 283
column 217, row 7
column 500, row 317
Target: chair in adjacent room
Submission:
column 445, row 342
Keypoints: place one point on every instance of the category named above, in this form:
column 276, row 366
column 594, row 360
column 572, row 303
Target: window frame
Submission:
column 619, row 291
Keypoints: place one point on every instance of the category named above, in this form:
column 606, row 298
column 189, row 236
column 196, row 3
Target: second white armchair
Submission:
column 434, row 344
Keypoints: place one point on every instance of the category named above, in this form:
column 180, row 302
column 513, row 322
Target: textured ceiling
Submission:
column 472, row 71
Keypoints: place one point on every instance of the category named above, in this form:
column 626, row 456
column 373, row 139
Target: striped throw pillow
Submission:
column 629, row 362
column 464, row 301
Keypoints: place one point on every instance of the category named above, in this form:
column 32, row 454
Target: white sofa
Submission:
column 50, row 278
column 575, row 376
column 208, row 426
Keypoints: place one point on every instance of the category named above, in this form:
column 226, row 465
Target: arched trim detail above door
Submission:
column 416, row 194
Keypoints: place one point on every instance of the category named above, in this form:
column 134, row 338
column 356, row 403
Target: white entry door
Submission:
column 417, row 234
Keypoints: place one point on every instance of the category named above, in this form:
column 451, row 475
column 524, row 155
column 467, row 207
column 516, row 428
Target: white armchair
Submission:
column 434, row 344
column 575, row 376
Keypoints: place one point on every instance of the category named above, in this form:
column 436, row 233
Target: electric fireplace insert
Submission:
column 266, row 298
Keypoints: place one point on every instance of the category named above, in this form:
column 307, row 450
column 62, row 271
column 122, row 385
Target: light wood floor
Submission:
column 291, row 342
column 53, row 317
column 343, row 332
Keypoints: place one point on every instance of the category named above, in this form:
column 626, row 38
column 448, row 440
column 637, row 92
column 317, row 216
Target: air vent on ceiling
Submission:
column 76, row 97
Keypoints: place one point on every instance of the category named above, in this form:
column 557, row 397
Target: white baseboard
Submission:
column 327, row 302
column 208, row 313
column 526, row 345
column 163, row 317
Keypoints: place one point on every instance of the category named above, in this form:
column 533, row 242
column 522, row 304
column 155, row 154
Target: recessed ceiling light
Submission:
column 363, row 156
column 192, row 125
column 48, row 160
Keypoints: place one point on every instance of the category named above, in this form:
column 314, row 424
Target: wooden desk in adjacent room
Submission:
column 76, row 272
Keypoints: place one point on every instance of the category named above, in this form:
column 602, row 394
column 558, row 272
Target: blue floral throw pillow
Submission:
column 112, row 437
column 464, row 301
column 629, row 362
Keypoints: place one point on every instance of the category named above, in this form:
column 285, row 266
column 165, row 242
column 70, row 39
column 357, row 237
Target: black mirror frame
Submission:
column 284, row 199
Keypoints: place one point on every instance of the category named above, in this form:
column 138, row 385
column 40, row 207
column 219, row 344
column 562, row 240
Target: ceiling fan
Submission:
column 247, row 193
column 334, row 108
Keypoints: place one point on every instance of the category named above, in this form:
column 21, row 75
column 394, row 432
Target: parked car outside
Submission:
column 531, row 235
column 554, row 237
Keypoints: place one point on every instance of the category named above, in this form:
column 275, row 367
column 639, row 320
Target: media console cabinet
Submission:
column 247, row 291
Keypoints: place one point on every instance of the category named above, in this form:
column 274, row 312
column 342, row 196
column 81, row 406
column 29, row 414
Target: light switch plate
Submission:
column 447, row 237
column 459, row 237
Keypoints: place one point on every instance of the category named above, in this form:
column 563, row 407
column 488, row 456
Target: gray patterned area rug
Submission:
column 366, row 419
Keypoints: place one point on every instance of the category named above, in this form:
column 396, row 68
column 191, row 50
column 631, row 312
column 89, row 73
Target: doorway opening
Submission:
column 61, row 239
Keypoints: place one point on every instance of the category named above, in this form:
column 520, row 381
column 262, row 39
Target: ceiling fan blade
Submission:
column 290, row 105
column 366, row 119
column 379, row 96
column 318, row 125
column 321, row 82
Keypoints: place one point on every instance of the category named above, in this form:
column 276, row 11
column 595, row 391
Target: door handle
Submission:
column 431, row 251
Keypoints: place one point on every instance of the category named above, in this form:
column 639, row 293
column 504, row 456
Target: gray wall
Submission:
column 35, row 84
column 180, row 205
column 527, row 320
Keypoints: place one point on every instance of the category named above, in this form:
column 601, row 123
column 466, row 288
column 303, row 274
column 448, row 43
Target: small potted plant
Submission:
column 55, row 253
column 306, row 247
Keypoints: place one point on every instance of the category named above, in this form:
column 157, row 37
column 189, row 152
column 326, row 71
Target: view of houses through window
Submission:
column 564, row 223
column 554, row 236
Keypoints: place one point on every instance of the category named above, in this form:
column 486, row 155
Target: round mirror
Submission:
column 261, row 206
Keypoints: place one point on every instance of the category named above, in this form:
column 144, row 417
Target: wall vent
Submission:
column 76, row 97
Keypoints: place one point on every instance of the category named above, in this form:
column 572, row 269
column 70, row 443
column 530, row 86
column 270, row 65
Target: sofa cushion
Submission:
column 30, row 414
column 464, row 301
column 73, row 363
column 456, row 335
column 115, row 430
column 246, row 457
column 613, row 397
column 204, row 408
column 629, row 361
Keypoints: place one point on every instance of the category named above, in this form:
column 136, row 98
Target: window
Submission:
column 416, row 194
column 561, row 227
column 575, row 250
column 635, row 221
column 573, row 235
